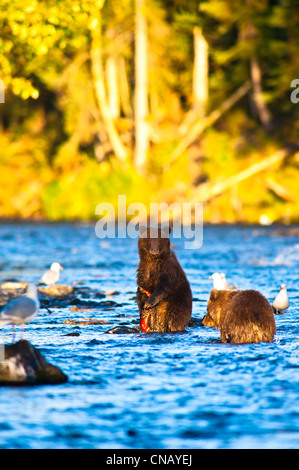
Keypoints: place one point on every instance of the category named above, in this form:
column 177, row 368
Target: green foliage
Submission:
column 76, row 195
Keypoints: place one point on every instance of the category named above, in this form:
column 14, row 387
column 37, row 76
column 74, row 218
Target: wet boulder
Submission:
column 8, row 290
column 59, row 290
column 122, row 330
column 23, row 364
column 14, row 285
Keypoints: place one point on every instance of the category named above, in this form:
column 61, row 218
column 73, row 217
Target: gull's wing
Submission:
column 49, row 277
column 19, row 309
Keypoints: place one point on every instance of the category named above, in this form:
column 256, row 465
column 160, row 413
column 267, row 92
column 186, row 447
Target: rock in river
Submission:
column 56, row 291
column 122, row 330
column 24, row 365
column 59, row 296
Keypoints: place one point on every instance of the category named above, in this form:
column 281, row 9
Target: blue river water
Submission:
column 153, row 391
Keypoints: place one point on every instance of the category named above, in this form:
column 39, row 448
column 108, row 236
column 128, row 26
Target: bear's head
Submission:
column 154, row 240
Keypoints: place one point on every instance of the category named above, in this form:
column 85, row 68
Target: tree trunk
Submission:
column 99, row 83
column 200, row 72
column 112, row 86
column 2, row 91
column 141, row 88
column 251, row 37
column 124, row 88
column 257, row 95
column 200, row 82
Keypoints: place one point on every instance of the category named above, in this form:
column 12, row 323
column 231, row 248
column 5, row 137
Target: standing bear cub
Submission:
column 164, row 296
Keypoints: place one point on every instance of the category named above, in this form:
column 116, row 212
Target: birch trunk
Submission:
column 200, row 73
column 100, row 89
column 257, row 95
column 124, row 88
column 141, row 88
column 251, row 36
column 2, row 91
column 200, row 82
column 112, row 87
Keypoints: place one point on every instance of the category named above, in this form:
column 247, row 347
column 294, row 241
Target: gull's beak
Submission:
column 210, row 277
column 61, row 267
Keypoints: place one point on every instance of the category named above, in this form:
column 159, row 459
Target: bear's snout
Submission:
column 154, row 247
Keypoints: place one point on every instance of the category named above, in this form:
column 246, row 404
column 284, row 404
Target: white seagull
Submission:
column 51, row 275
column 227, row 285
column 220, row 282
column 21, row 309
column 281, row 301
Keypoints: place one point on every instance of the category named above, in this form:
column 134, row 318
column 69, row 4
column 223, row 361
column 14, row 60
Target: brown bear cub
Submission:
column 215, row 306
column 243, row 316
column 164, row 295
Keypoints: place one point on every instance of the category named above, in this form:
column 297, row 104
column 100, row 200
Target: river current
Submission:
column 153, row 391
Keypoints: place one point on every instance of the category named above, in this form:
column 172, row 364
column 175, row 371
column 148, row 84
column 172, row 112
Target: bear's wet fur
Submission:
column 164, row 295
column 244, row 316
column 215, row 306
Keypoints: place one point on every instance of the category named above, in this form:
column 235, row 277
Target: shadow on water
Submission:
column 152, row 391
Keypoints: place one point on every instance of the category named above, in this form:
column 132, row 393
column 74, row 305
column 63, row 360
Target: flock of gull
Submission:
column 23, row 309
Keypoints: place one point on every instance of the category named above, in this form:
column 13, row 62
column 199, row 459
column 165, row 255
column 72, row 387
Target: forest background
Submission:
column 161, row 101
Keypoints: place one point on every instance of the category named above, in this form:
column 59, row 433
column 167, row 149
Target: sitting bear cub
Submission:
column 243, row 316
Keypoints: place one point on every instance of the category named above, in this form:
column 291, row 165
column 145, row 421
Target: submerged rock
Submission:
column 194, row 322
column 24, row 365
column 74, row 333
column 9, row 290
column 13, row 285
column 56, row 290
column 122, row 330
column 85, row 321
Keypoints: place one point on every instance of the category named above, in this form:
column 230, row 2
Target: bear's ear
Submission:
column 142, row 231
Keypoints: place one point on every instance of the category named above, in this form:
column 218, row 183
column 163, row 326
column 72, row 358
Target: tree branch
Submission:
column 207, row 191
column 198, row 128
